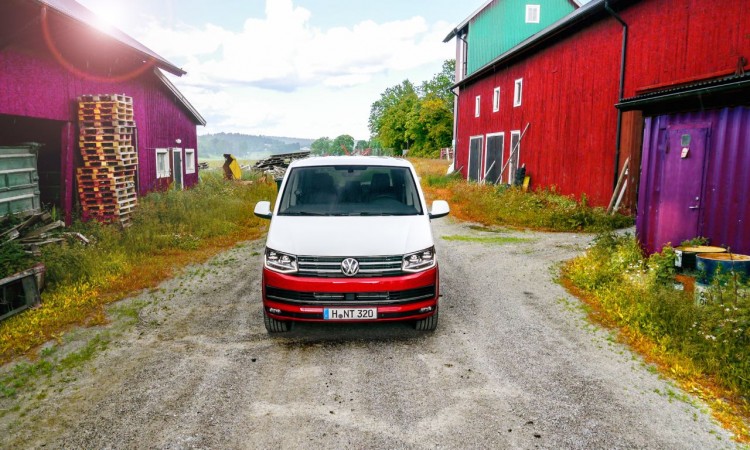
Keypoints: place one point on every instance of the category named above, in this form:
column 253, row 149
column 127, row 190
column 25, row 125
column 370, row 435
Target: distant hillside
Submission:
column 247, row 146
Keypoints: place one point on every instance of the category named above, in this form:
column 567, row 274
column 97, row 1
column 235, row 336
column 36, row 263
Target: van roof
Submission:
column 351, row 161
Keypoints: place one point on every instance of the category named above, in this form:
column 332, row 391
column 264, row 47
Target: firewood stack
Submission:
column 106, row 182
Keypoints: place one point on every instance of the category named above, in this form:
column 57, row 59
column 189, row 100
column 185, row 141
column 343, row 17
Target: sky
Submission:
column 295, row 68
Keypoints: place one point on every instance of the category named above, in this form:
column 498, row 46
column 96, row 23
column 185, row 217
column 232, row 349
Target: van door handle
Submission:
column 694, row 207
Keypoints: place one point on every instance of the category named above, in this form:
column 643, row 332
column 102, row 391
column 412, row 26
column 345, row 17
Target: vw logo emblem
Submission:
column 350, row 267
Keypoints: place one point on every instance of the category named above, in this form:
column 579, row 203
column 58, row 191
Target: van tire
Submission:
column 428, row 323
column 275, row 326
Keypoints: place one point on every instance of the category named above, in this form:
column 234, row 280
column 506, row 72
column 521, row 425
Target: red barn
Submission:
column 51, row 53
column 588, row 90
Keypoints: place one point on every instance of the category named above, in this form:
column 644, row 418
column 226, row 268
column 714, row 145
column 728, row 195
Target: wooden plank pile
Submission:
column 276, row 165
column 106, row 182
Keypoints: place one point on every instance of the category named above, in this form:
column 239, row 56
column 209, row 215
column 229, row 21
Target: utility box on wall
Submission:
column 19, row 180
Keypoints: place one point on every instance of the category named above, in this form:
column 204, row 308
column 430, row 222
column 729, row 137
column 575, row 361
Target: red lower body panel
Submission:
column 407, row 297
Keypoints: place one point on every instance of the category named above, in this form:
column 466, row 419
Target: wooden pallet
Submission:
column 105, row 172
column 93, row 131
column 106, row 98
column 106, row 123
column 103, row 145
column 108, row 153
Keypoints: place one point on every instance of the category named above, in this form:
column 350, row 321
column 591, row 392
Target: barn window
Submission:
column 189, row 160
column 162, row 163
column 496, row 100
column 532, row 13
column 476, row 106
column 517, row 91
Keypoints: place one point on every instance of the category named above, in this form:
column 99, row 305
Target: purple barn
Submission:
column 50, row 54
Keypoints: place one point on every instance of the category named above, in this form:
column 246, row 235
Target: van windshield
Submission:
column 355, row 190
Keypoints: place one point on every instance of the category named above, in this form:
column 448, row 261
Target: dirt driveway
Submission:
column 513, row 364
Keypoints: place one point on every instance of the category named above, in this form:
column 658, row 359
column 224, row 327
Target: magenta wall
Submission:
column 725, row 202
column 36, row 86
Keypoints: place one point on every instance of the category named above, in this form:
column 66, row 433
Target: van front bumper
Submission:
column 304, row 299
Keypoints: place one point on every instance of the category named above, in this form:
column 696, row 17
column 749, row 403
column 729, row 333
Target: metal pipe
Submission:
column 618, row 140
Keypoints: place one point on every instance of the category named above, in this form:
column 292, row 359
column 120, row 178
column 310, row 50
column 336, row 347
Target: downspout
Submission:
column 621, row 92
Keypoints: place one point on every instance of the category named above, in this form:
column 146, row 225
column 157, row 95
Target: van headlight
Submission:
column 419, row 261
column 280, row 262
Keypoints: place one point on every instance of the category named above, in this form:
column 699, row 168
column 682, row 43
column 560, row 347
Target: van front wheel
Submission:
column 275, row 326
column 428, row 323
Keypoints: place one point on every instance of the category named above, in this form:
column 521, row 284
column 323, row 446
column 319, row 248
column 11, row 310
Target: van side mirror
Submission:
column 440, row 209
column 263, row 210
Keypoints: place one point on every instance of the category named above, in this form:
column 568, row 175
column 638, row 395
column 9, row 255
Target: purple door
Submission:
column 682, row 166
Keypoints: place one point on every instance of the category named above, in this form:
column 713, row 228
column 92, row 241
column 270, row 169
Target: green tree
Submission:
column 388, row 116
column 439, row 85
column 361, row 145
column 321, row 146
column 420, row 120
column 341, row 143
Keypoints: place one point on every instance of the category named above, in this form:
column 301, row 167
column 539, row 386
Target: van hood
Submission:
column 349, row 236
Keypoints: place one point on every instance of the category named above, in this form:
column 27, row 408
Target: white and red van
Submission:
column 350, row 240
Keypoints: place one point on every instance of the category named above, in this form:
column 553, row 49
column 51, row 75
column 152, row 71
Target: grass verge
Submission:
column 705, row 348
column 170, row 230
column 499, row 240
column 490, row 204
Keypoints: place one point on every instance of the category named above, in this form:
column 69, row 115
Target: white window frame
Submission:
column 517, row 92
column 512, row 169
column 496, row 99
column 480, row 138
column 477, row 105
column 167, row 172
column 189, row 161
column 487, row 154
column 533, row 13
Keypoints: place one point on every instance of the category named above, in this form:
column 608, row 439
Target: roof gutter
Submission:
column 623, row 54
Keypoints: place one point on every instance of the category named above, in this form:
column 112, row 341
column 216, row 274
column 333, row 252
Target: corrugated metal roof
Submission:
column 709, row 86
column 84, row 16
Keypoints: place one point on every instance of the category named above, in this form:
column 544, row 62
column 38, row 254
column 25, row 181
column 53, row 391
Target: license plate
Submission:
column 350, row 313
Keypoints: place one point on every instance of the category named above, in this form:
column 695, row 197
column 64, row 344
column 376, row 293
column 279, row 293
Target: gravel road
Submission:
column 513, row 364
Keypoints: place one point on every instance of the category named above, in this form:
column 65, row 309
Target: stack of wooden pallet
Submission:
column 106, row 182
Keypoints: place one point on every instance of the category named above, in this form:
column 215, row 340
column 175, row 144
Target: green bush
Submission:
column 638, row 293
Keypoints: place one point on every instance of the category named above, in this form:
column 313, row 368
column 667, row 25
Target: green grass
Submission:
column 509, row 206
column 487, row 239
column 699, row 345
column 170, row 230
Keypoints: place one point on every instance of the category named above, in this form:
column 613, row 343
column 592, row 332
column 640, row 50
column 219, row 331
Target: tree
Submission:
column 341, row 143
column 320, row 146
column 420, row 120
column 361, row 145
column 388, row 116
column 439, row 85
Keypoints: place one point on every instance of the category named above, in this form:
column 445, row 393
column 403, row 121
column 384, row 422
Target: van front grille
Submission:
column 330, row 266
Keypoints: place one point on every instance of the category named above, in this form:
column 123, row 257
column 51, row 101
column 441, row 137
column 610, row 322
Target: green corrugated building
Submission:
column 499, row 25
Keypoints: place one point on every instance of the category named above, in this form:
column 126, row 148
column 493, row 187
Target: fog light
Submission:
column 274, row 311
column 425, row 309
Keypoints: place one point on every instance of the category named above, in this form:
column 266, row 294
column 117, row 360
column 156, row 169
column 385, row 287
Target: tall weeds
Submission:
column 700, row 344
column 170, row 229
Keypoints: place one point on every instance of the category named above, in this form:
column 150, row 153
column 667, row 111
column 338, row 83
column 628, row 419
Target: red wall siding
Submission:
column 570, row 88
column 569, row 92
column 678, row 40
column 36, row 86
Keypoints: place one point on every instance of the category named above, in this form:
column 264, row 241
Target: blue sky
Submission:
column 300, row 68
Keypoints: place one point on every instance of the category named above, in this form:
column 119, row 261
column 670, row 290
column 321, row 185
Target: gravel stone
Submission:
column 513, row 364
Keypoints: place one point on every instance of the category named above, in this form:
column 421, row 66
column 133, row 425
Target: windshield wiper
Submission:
column 301, row 213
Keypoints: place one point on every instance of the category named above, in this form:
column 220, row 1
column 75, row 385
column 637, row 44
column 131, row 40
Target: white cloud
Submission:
column 279, row 75
column 284, row 52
